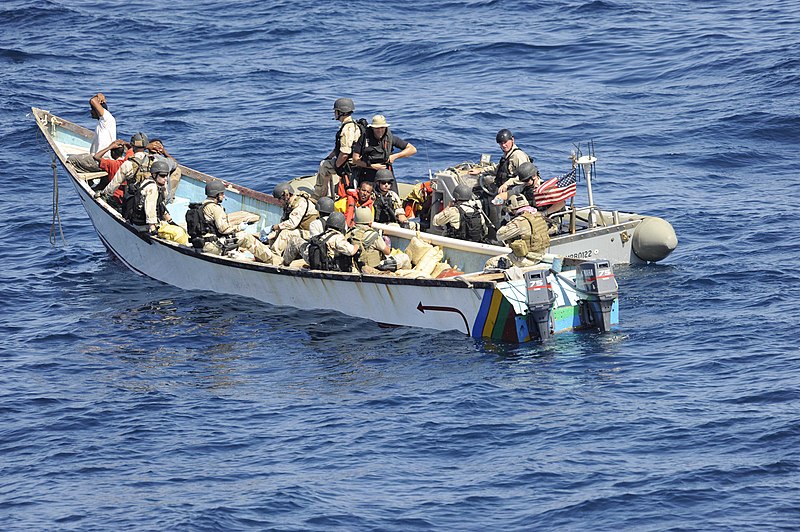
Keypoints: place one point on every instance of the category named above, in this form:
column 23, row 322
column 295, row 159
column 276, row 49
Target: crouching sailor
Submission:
column 298, row 214
column 217, row 228
column 526, row 235
column 331, row 250
column 463, row 219
column 149, row 200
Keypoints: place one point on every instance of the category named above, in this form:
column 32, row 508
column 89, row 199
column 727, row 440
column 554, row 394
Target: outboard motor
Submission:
column 540, row 302
column 597, row 289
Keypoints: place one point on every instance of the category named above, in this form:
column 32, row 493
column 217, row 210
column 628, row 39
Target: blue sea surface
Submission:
column 126, row 404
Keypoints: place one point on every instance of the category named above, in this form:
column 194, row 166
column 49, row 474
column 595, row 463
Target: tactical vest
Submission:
column 377, row 150
column 384, row 209
column 305, row 221
column 539, row 239
column 336, row 147
column 142, row 167
column 503, row 174
column 210, row 225
column 365, row 237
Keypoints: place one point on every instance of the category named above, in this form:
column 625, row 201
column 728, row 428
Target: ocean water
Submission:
column 130, row 405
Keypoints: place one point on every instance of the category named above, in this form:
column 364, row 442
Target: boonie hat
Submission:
column 378, row 121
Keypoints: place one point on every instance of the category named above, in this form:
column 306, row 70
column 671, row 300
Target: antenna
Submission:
column 427, row 159
column 586, row 162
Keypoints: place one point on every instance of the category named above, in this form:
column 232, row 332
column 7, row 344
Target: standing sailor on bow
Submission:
column 338, row 161
column 105, row 132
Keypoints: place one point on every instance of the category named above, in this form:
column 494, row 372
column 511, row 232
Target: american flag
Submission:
column 556, row 189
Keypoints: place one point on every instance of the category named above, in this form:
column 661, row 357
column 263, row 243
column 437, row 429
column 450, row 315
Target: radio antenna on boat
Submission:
column 428, row 160
column 586, row 162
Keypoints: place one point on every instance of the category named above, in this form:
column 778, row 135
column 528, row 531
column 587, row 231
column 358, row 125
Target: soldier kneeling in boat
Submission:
column 218, row 231
column 526, row 235
column 464, row 218
column 297, row 246
column 331, row 250
column 298, row 214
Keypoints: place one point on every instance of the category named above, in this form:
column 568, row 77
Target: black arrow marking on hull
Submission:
column 422, row 308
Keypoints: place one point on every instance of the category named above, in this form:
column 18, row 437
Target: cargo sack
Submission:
column 416, row 249
column 175, row 233
column 429, row 261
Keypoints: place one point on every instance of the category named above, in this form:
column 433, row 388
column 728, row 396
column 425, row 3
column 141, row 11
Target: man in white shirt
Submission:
column 105, row 132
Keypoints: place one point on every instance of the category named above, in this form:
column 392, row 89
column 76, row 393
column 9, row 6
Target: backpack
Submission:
column 471, row 226
column 133, row 202
column 196, row 224
column 318, row 258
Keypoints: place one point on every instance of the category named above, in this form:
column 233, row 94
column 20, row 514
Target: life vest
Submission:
column 539, row 239
column 337, row 145
column 345, row 171
column 528, row 192
column 352, row 203
column 305, row 221
column 385, row 209
column 470, row 227
column 365, row 237
column 503, row 173
column 210, row 231
column 418, row 201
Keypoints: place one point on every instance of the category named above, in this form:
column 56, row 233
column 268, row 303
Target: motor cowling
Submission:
column 597, row 290
column 540, row 299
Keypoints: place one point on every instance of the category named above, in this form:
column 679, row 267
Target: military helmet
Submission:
column 462, row 193
column 159, row 167
column 364, row 215
column 527, row 171
column 517, row 201
column 504, row 135
column 384, row 176
column 214, row 188
column 139, row 140
column 344, row 105
column 325, row 205
column 336, row 221
column 281, row 189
